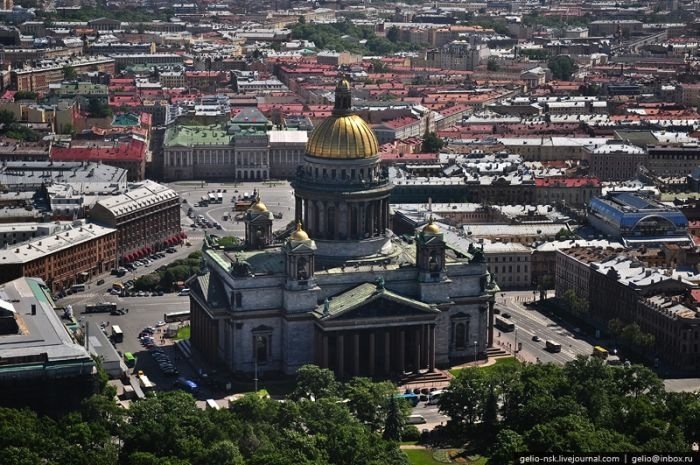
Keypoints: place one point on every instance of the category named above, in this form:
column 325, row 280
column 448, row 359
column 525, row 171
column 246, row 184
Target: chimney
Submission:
column 33, row 309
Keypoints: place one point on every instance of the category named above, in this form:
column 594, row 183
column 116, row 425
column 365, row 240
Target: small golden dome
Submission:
column 431, row 228
column 299, row 234
column 259, row 206
column 346, row 136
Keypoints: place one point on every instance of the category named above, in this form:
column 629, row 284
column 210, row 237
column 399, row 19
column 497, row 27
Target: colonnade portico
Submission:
column 336, row 220
column 376, row 351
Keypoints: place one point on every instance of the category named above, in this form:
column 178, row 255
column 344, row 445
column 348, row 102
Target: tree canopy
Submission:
column 585, row 406
column 169, row 429
column 562, row 67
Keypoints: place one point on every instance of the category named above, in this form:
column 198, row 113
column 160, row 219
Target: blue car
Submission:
column 186, row 385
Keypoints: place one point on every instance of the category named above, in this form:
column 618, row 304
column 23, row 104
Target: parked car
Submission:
column 536, row 338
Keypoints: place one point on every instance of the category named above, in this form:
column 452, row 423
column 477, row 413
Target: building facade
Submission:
column 146, row 218
column 340, row 291
column 69, row 256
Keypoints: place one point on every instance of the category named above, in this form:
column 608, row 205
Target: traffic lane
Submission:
column 431, row 414
column 537, row 323
column 530, row 323
column 96, row 293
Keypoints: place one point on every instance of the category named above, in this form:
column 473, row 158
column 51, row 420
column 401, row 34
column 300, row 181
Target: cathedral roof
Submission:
column 343, row 135
column 364, row 293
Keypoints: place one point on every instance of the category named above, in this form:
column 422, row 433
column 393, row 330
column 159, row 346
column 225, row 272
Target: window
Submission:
column 460, row 336
column 239, row 299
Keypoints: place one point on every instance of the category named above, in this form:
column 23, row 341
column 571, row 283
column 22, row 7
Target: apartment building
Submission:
column 146, row 219
column 69, row 256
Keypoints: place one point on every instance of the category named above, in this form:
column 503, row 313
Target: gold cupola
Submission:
column 299, row 234
column 343, row 135
column 259, row 206
column 431, row 227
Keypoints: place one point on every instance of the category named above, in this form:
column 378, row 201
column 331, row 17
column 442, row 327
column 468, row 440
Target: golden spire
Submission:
column 299, row 234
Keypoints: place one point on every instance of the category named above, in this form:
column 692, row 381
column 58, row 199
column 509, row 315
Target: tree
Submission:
column 314, row 383
column 98, row 108
column 507, row 444
column 464, row 401
column 562, row 67
column 7, row 119
column 225, row 453
column 393, row 426
column 432, row 143
column 368, row 401
column 393, row 34
column 575, row 304
column 492, row 65
column 491, row 410
column 147, row 282
column 69, row 73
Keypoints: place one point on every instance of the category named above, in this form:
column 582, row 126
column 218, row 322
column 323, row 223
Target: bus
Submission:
column 552, row 346
column 219, row 198
column 504, row 325
column 212, row 197
column 104, row 307
column 204, row 201
column 117, row 334
column 77, row 288
column 411, row 398
column 129, row 359
column 176, row 316
column 600, row 352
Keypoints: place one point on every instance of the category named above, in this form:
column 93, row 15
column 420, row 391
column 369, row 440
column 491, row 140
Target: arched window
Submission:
column 460, row 336
column 302, row 274
column 260, row 344
column 433, row 264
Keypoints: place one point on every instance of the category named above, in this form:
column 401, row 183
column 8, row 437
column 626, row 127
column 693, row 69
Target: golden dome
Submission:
column 299, row 234
column 259, row 206
column 343, row 134
column 346, row 136
column 431, row 228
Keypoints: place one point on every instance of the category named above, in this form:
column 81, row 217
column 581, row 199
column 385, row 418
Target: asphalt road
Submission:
column 529, row 323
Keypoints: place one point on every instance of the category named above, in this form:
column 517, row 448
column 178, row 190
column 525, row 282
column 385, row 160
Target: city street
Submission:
column 528, row 323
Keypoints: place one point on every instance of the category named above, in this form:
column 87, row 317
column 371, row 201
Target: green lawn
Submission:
column 420, row 457
column 505, row 361
column 183, row 333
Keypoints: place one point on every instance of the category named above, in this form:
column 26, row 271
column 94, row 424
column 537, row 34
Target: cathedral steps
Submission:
column 426, row 378
column 496, row 352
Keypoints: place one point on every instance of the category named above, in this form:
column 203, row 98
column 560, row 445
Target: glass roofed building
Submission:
column 340, row 289
column 638, row 220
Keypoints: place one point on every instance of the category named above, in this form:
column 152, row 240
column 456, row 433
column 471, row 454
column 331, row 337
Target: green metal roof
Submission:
column 363, row 294
column 190, row 136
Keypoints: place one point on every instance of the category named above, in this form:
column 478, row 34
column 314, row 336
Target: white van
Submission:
column 185, row 291
column 415, row 420
column 434, row 397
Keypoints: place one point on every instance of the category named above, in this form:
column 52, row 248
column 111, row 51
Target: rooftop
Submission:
column 71, row 235
column 42, row 338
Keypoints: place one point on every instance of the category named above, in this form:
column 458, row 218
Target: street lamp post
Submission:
column 475, row 344
column 515, row 346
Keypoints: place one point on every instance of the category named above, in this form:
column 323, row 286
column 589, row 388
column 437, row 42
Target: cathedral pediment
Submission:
column 368, row 301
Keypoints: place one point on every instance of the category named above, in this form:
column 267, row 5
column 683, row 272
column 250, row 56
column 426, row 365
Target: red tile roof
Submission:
column 567, row 182
column 134, row 150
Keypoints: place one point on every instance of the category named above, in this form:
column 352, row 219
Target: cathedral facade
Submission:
column 342, row 291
